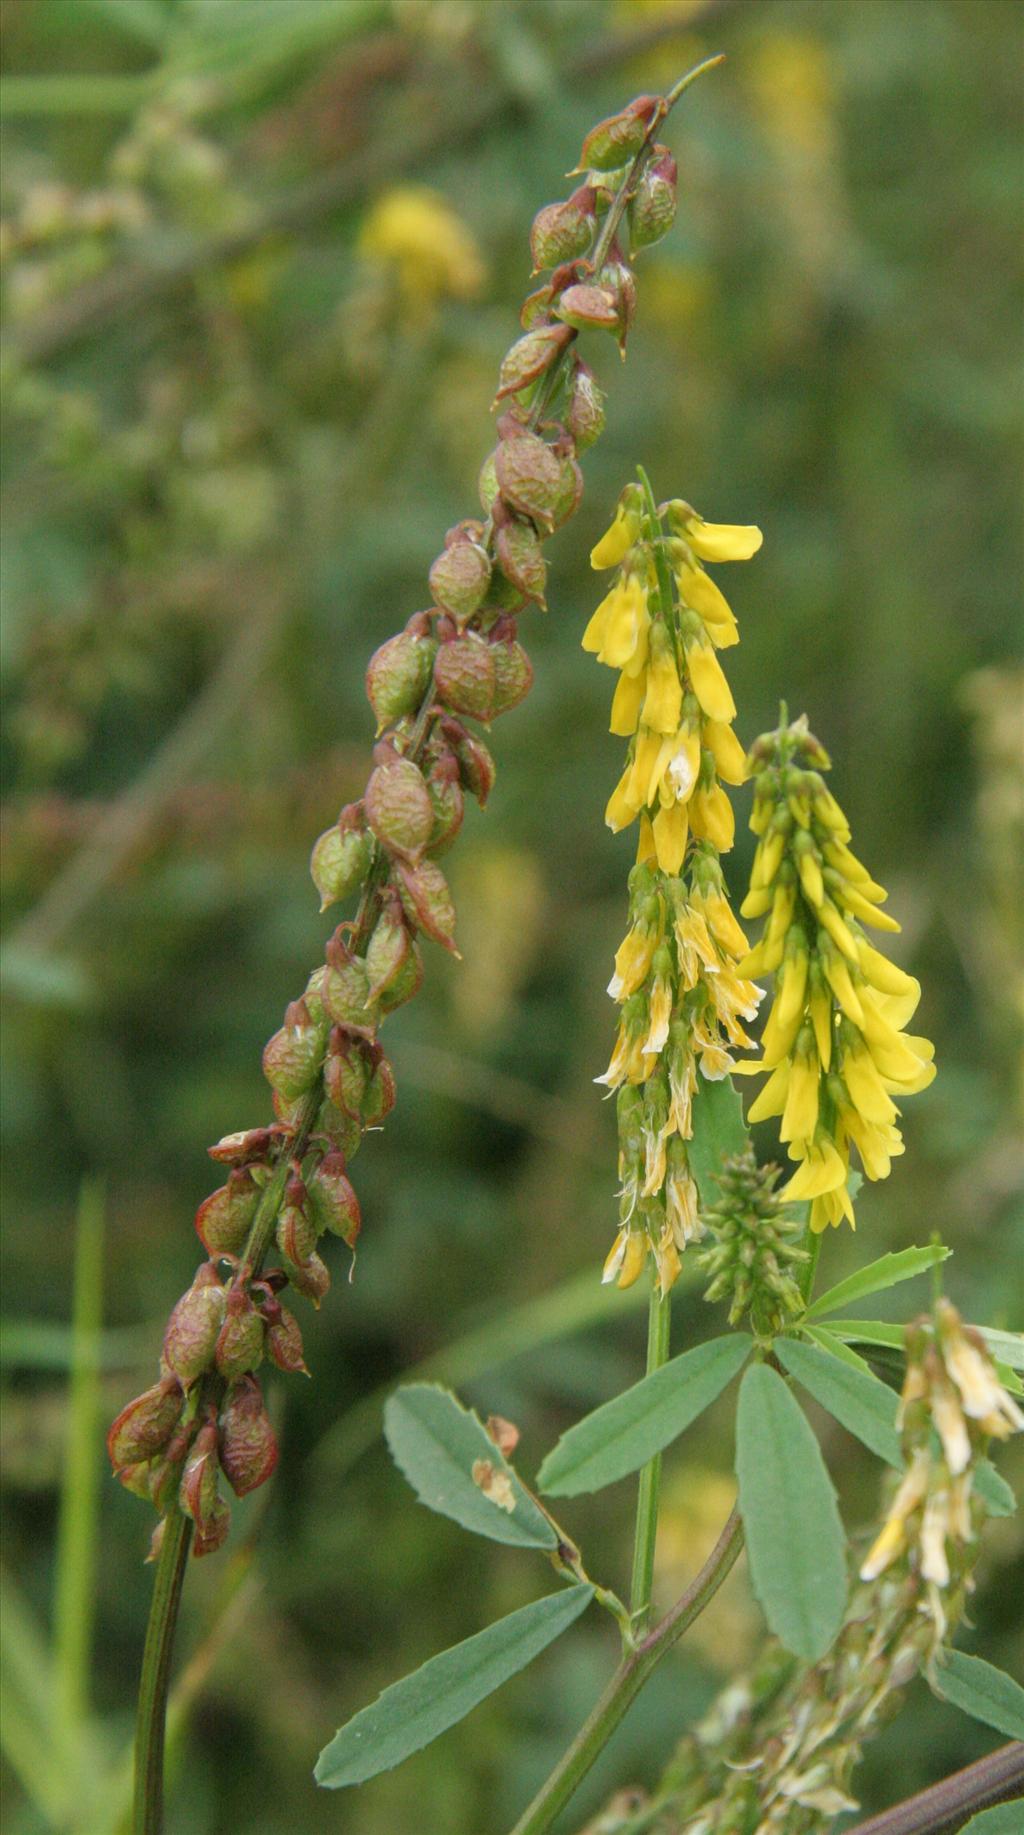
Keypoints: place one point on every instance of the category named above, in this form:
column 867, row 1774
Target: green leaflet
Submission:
column 625, row 1433
column 881, row 1332
column 1007, row 1346
column 718, row 1133
column 795, row 1540
column 986, row 1693
column 436, row 1443
column 820, row 1335
column 993, row 1490
column 865, row 1406
column 1001, row 1819
column 411, row 1713
column 887, row 1271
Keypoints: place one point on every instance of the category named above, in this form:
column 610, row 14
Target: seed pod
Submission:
column 224, row 1219
column 428, row 903
column 445, row 792
column 198, row 1495
column 570, row 491
column 346, row 988
column 340, row 862
column 398, row 807
column 239, row 1344
column 193, row 1326
column 487, row 483
column 529, row 476
column 459, row 578
column 617, row 278
column 291, row 1059
column 521, row 560
column 379, row 1099
column 388, row 946
column 534, row 308
column 296, row 1233
column 346, row 1070
column 529, row 357
column 248, row 1449
column 311, row 1278
column 464, row 679
column 477, row 769
column 564, row 230
column 587, row 308
column 398, row 674
column 619, row 137
column 245, row 1146
column 146, row 1424
column 333, row 1201
column 407, row 983
column 584, row 417
column 513, row 675
column 653, row 205
column 284, row 1341
column 136, row 1478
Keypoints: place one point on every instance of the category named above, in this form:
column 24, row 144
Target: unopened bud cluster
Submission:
column 756, row 1257
column 834, row 1041
column 457, row 663
column 683, row 1002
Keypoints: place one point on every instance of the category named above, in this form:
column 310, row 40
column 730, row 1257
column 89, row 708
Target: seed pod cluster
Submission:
column 452, row 669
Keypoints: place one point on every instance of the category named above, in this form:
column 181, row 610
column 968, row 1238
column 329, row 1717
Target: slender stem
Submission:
column 148, row 1812
column 999, row 1778
column 75, row 1583
column 627, row 1682
column 646, row 1534
column 812, row 1243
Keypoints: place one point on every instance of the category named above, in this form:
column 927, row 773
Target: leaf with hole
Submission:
column 454, row 1467
column 625, row 1433
column 411, row 1713
column 795, row 1541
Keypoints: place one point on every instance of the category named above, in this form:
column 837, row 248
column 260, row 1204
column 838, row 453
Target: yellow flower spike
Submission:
column 617, row 540
column 723, row 541
column 712, row 818
column 663, row 703
column 727, row 752
column 709, row 683
column 670, row 829
column 626, row 704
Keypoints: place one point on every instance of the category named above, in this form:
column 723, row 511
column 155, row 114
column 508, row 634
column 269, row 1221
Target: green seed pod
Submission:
column 296, row 1233
column 341, row 1132
column 445, row 792
column 569, row 493
column 379, row 1099
column 145, row 1425
column 464, row 679
column 198, row 1494
column 477, row 769
column 398, row 807
column 310, row 1278
column 284, row 1342
column 427, row 901
column 587, row 308
column 346, row 990
column 292, row 1057
column 617, row 139
column 346, row 1070
column 193, row 1327
column 529, row 476
column 248, row 1448
column 407, row 983
column 387, row 949
column 239, row 1344
column 333, row 1201
column 459, row 578
column 534, row 308
column 529, row 357
column 224, row 1219
column 562, row 231
column 487, row 483
column 653, row 206
column 521, row 559
column 398, row 673
column 513, row 675
column 340, row 862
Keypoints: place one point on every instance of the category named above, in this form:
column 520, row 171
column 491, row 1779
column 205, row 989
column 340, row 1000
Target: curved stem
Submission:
column 627, row 1682
column 646, row 1534
column 999, row 1778
column 148, row 1810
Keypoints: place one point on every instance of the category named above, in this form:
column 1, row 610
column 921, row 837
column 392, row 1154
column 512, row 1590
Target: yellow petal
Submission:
column 614, row 543
column 709, row 683
column 726, row 750
column 724, row 541
column 626, row 702
column 671, row 830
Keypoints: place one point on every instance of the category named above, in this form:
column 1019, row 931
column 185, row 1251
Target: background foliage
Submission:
column 235, row 435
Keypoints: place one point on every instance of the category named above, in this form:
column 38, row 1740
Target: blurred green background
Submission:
column 236, row 430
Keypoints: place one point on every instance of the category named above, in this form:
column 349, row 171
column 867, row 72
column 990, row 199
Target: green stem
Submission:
column 627, row 1682
column 148, row 1812
column 646, row 1533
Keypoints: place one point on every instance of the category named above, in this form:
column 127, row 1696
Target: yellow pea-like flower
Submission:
column 723, row 541
column 709, row 683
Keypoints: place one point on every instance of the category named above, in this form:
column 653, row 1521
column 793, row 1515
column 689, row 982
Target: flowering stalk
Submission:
column 454, row 666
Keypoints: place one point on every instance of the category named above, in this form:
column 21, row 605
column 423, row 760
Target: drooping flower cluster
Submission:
column 834, row 1041
column 458, row 662
column 683, row 1002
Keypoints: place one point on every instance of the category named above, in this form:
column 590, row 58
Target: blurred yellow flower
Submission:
column 413, row 231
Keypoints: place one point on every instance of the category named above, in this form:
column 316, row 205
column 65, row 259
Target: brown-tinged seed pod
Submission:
column 332, row 1199
column 224, row 1219
column 198, row 1494
column 445, row 792
column 146, row 1424
column 584, row 416
column 346, row 991
column 346, row 1069
column 398, row 807
column 398, row 674
column 513, row 676
column 241, row 1148
column 136, row 1478
column 653, row 205
column 570, row 491
column 477, row 769
column 521, row 559
column 529, row 357
column 534, row 309
column 339, row 862
column 248, row 1448
column 428, row 903
column 239, row 1344
column 406, row 983
column 312, row 1278
column 487, row 483
column 284, row 1342
column 464, row 679
column 459, row 578
column 388, row 946
column 529, row 475
column 379, row 1099
column 564, row 230
column 619, row 138
column 193, row 1326
column 291, row 1058
column 296, row 1233
column 589, row 308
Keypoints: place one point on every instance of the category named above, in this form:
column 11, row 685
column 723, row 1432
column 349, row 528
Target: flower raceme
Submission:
column 684, row 1003
column 834, row 1042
